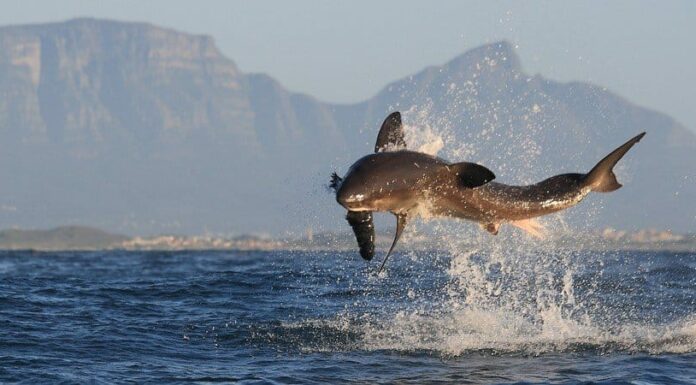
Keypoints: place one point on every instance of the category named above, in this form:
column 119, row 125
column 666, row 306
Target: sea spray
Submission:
column 504, row 294
column 507, row 293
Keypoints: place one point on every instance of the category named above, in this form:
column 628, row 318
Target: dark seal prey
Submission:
column 405, row 182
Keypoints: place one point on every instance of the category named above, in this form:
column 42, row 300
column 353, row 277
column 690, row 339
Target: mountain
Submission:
column 140, row 129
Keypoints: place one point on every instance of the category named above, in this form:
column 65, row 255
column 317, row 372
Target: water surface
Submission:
column 486, row 316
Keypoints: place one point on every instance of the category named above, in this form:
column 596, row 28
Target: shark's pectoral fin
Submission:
column 364, row 230
column 470, row 175
column 391, row 134
column 400, row 224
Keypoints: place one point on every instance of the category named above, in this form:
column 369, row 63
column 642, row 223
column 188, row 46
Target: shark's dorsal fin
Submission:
column 400, row 224
column 364, row 230
column 391, row 135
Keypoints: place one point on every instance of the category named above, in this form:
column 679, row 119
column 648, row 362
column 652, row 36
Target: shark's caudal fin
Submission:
column 364, row 230
column 601, row 178
column 391, row 134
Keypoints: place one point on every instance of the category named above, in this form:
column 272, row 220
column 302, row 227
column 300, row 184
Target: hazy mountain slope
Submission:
column 527, row 128
column 136, row 128
column 94, row 82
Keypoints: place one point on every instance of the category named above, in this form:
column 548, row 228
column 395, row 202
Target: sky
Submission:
column 347, row 51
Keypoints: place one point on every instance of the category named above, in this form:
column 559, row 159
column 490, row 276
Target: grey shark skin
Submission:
column 404, row 182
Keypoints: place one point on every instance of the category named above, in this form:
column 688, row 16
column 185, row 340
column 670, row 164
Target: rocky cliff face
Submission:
column 88, row 82
column 137, row 128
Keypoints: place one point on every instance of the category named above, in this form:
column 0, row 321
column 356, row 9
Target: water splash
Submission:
column 509, row 296
column 499, row 332
column 504, row 294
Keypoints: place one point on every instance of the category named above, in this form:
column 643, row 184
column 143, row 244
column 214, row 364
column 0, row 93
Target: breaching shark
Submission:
column 405, row 182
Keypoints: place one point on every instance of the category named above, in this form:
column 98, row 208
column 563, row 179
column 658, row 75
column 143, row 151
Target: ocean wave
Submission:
column 470, row 331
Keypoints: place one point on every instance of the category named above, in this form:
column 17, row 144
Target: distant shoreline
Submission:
column 88, row 239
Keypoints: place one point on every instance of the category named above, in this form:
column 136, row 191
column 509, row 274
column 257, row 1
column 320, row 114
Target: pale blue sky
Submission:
column 347, row 51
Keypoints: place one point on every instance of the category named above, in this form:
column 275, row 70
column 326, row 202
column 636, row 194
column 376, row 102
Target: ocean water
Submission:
column 495, row 315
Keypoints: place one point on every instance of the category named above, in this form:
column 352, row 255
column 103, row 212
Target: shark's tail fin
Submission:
column 601, row 178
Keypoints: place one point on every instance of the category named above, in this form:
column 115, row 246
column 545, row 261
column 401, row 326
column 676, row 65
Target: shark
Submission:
column 406, row 183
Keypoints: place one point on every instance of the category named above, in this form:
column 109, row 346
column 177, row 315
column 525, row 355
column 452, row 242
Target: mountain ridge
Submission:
column 142, row 129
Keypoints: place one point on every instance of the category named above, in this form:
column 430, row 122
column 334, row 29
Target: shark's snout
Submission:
column 351, row 201
column 350, row 198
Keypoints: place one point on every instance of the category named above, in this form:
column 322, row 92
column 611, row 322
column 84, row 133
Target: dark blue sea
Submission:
column 495, row 315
